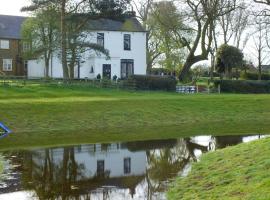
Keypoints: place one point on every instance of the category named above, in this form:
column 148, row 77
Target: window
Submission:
column 127, row 45
column 127, row 165
column 100, row 39
column 4, row 44
column 100, row 167
column 26, row 46
column 127, row 68
column 7, row 64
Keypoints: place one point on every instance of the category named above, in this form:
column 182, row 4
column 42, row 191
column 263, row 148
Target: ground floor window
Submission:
column 7, row 64
column 127, row 67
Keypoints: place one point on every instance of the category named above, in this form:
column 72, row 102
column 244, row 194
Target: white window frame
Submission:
column 7, row 65
column 4, row 44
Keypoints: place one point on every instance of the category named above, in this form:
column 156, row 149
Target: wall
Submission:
column 14, row 53
column 114, row 42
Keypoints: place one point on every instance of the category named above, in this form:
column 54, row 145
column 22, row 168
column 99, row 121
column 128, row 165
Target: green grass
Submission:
column 57, row 115
column 235, row 173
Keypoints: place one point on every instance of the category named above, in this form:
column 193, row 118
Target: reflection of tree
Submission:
column 224, row 141
column 166, row 163
column 50, row 179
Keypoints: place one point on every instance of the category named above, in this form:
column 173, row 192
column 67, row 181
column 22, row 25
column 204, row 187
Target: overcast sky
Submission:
column 12, row 7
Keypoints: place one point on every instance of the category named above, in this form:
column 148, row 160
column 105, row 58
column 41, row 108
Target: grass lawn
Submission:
column 57, row 115
column 235, row 173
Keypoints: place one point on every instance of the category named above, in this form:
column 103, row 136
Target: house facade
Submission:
column 126, row 42
column 11, row 62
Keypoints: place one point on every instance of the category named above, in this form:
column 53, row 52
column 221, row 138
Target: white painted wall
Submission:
column 113, row 160
column 114, row 42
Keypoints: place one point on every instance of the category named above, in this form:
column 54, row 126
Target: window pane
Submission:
column 127, row 165
column 100, row 39
column 100, row 167
column 123, row 70
column 127, row 42
column 4, row 44
column 7, row 64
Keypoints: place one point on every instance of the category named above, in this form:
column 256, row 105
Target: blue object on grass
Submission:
column 6, row 130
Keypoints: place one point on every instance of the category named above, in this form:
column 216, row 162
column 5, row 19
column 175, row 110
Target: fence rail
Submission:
column 102, row 83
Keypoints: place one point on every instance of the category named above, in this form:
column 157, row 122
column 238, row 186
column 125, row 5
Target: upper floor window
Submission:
column 100, row 39
column 127, row 165
column 7, row 64
column 26, row 46
column 4, row 44
column 127, row 43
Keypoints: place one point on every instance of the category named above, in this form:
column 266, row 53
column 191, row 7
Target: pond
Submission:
column 131, row 170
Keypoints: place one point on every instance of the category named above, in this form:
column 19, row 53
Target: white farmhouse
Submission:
column 126, row 42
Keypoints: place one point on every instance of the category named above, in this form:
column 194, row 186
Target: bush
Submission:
column 243, row 86
column 254, row 76
column 144, row 82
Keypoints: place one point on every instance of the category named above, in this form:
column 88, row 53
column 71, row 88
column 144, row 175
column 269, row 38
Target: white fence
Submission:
column 186, row 89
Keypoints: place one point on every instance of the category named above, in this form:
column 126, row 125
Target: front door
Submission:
column 107, row 71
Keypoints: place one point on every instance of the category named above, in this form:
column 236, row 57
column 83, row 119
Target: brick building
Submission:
column 11, row 62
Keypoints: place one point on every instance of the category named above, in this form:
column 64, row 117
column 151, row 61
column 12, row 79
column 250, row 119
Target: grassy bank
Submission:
column 56, row 115
column 239, row 172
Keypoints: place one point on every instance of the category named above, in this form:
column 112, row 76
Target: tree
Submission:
column 74, row 16
column 40, row 34
column 168, row 28
column 204, row 14
column 227, row 58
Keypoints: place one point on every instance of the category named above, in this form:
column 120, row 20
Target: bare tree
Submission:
column 205, row 13
column 259, row 38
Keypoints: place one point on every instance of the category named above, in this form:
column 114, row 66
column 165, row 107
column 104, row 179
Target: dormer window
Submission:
column 127, row 43
column 4, row 44
column 100, row 39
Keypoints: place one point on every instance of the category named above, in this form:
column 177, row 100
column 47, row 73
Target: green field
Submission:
column 58, row 115
column 235, row 173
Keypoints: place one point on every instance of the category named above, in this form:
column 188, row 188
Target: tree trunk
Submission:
column 227, row 73
column 47, row 65
column 185, row 69
column 64, row 41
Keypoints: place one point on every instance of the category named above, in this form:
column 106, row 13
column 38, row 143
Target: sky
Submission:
column 12, row 7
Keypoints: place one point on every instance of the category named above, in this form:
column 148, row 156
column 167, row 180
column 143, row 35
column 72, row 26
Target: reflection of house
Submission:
column 97, row 160
column 11, row 62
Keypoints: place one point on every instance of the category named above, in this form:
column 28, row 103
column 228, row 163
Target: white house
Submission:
column 126, row 42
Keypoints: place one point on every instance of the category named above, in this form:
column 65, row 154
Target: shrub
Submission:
column 144, row 82
column 114, row 77
column 254, row 76
column 243, row 86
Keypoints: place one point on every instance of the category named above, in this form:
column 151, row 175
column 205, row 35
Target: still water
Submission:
column 132, row 170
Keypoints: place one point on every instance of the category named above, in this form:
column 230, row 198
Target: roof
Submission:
column 128, row 25
column 10, row 26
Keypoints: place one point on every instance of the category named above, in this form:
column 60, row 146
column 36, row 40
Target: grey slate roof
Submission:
column 128, row 25
column 10, row 26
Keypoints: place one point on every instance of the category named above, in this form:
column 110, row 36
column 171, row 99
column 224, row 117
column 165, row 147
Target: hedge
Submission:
column 146, row 82
column 254, row 76
column 243, row 86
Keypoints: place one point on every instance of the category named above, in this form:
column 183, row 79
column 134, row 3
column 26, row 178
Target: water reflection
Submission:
column 133, row 170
